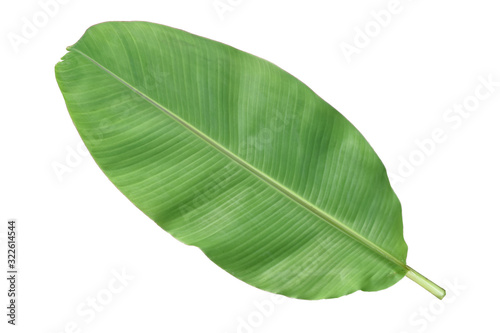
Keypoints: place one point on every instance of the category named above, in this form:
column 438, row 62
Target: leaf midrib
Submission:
column 256, row 172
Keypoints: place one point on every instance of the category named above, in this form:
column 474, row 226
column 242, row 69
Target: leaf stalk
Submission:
column 425, row 283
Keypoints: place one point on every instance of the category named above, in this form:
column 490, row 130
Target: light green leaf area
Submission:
column 230, row 153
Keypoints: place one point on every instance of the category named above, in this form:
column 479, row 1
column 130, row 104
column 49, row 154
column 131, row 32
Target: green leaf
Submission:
column 230, row 153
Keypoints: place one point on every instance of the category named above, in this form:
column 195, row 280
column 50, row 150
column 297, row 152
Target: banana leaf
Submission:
column 230, row 153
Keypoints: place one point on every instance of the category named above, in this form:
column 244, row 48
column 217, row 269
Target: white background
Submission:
column 78, row 230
